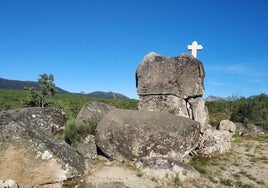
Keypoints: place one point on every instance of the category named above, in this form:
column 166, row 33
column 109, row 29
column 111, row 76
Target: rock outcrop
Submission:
column 51, row 120
column 91, row 114
column 27, row 142
column 129, row 135
column 174, row 85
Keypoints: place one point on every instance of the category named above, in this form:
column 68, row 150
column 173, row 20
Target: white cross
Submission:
column 194, row 47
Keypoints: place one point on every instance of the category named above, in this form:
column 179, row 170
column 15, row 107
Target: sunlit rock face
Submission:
column 130, row 135
column 173, row 84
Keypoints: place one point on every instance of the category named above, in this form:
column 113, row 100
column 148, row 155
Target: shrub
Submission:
column 74, row 133
column 87, row 127
column 227, row 182
column 198, row 164
column 177, row 181
column 70, row 131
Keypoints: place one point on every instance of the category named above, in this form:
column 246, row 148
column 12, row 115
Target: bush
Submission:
column 74, row 133
column 251, row 110
column 199, row 163
column 218, row 110
column 86, row 128
column 70, row 131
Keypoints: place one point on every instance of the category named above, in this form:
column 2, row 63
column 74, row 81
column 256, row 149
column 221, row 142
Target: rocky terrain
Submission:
column 166, row 143
column 246, row 165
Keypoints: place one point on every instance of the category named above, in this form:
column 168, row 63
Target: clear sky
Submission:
column 97, row 45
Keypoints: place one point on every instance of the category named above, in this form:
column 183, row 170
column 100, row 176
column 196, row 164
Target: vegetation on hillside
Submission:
column 19, row 85
column 44, row 95
column 251, row 110
column 70, row 103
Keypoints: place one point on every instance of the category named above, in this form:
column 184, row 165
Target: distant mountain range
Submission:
column 106, row 95
column 214, row 98
column 20, row 85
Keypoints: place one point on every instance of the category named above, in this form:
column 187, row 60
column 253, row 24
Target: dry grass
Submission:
column 246, row 165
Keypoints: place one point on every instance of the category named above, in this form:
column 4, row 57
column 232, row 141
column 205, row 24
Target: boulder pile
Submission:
column 174, row 85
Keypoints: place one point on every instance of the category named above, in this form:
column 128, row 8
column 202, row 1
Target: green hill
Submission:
column 70, row 103
column 20, row 85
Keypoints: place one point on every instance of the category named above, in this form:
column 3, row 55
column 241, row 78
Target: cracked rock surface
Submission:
column 173, row 84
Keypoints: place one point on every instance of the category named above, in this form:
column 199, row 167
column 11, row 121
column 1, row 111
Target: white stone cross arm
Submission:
column 194, row 47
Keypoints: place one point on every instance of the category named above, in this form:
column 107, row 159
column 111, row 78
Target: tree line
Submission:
column 251, row 110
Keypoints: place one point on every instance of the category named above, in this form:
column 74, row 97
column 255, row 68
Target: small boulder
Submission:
column 166, row 169
column 227, row 125
column 249, row 129
column 214, row 142
column 88, row 147
column 129, row 135
column 8, row 184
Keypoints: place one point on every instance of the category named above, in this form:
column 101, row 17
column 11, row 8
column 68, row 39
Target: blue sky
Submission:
column 97, row 45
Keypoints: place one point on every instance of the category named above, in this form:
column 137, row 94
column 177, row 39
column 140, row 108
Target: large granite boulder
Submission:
column 181, row 76
column 128, row 135
column 93, row 110
column 30, row 154
column 172, row 84
column 51, row 120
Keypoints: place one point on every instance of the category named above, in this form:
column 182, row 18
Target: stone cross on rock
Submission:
column 194, row 47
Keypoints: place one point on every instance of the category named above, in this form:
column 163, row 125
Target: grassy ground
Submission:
column 246, row 165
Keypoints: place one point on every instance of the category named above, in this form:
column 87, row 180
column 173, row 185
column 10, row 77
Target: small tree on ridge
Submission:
column 47, row 89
